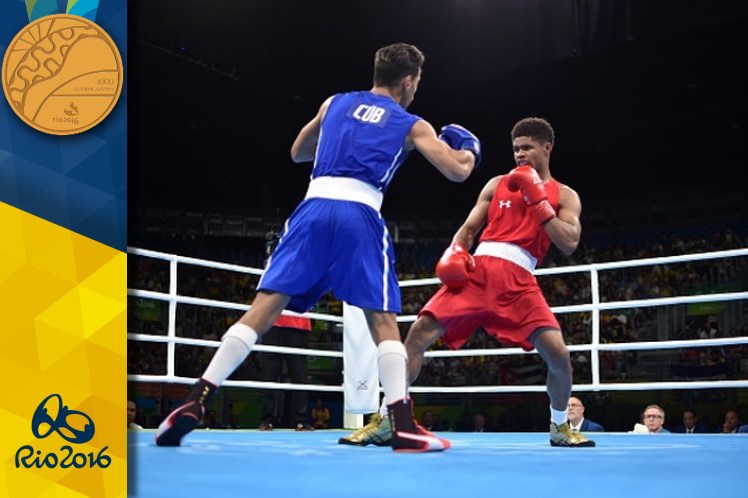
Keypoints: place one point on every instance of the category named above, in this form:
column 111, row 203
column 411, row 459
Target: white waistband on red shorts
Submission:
column 510, row 252
column 345, row 189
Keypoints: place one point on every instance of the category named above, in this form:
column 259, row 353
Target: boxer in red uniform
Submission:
column 521, row 214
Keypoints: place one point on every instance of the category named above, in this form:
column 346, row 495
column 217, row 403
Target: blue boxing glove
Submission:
column 459, row 138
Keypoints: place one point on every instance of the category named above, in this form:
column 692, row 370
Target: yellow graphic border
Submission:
column 64, row 299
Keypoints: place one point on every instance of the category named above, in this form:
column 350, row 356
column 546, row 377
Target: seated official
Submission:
column 577, row 420
column 652, row 421
column 690, row 424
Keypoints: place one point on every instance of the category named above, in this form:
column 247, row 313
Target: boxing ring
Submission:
column 240, row 462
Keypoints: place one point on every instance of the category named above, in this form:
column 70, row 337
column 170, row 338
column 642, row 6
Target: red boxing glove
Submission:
column 543, row 211
column 527, row 180
column 455, row 265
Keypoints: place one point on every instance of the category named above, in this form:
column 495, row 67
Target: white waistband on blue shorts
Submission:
column 510, row 252
column 345, row 189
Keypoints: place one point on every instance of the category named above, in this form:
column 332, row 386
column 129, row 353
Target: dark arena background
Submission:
column 649, row 101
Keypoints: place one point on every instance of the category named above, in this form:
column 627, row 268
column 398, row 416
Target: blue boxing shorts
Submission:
column 334, row 245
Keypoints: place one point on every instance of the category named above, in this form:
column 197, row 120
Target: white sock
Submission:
column 392, row 360
column 383, row 411
column 558, row 417
column 235, row 346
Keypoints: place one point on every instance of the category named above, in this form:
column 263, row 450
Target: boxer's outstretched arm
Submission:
column 456, row 165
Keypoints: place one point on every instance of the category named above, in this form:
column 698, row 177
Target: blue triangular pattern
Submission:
column 106, row 221
column 82, row 200
column 118, row 153
column 74, row 181
column 80, row 150
column 119, row 139
column 39, row 148
column 121, row 41
column 8, row 182
column 39, row 191
column 95, row 170
column 121, row 218
column 113, row 124
column 5, row 126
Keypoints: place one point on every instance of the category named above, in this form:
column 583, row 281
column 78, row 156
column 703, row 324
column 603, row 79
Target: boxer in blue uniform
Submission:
column 336, row 239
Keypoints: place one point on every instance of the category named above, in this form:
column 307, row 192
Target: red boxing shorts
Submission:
column 502, row 297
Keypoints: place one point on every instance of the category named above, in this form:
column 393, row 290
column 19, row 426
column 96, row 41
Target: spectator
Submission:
column 731, row 424
column 690, row 424
column 320, row 415
column 651, row 421
column 479, row 423
column 577, row 419
column 428, row 420
column 132, row 412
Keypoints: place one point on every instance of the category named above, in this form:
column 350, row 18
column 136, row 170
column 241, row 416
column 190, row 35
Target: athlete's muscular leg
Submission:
column 421, row 335
column 236, row 344
column 382, row 326
column 265, row 310
column 392, row 360
column 239, row 339
column 552, row 348
column 394, row 421
column 399, row 426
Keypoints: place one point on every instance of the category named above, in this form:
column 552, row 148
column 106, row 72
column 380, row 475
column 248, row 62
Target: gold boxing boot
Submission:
column 562, row 435
column 378, row 432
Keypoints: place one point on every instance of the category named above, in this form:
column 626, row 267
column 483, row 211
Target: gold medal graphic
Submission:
column 62, row 74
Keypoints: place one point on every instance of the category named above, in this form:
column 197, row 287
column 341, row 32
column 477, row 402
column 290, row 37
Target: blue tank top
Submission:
column 362, row 137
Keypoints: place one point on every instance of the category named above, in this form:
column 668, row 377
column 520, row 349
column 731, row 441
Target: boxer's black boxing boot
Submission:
column 407, row 434
column 186, row 417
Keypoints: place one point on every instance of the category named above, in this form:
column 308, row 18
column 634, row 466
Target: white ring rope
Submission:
column 594, row 347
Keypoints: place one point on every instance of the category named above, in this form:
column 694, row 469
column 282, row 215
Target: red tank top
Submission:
column 509, row 220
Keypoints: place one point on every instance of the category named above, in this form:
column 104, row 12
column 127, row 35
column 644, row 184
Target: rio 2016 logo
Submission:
column 73, row 426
